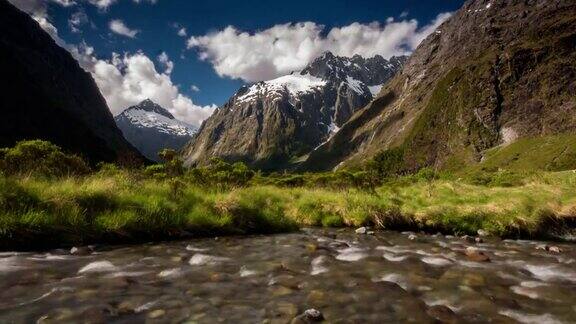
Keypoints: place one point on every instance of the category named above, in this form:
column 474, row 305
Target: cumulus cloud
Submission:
column 118, row 27
column 182, row 32
column 102, row 4
column 126, row 80
column 77, row 19
column 65, row 3
column 37, row 9
column 164, row 60
column 284, row 48
column 194, row 88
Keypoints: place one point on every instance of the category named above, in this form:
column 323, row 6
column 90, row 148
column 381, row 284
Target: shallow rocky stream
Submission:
column 387, row 277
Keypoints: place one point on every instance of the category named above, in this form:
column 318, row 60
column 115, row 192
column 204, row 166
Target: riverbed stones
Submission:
column 442, row 313
column 468, row 238
column 361, row 230
column 317, row 298
column 475, row 255
column 81, row 250
column 482, row 233
column 157, row 313
column 549, row 248
column 311, row 315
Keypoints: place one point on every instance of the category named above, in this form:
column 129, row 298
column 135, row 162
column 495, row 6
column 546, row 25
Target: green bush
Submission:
column 388, row 163
column 40, row 158
column 173, row 165
column 221, row 174
column 157, row 171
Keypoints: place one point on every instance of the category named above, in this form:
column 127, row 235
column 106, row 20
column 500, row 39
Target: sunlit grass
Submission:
column 121, row 207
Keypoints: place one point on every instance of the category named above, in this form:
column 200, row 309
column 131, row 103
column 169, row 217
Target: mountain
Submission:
column 273, row 123
column 151, row 128
column 47, row 95
column 495, row 72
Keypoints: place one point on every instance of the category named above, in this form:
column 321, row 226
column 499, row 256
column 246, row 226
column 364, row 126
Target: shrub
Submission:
column 173, row 165
column 157, row 171
column 388, row 163
column 222, row 174
column 41, row 158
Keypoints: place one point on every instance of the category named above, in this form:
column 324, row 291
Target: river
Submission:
column 387, row 277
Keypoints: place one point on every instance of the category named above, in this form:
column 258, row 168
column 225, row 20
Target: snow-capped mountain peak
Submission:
column 287, row 117
column 151, row 128
column 148, row 114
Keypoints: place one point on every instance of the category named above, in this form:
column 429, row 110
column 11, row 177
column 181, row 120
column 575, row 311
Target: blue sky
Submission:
column 156, row 32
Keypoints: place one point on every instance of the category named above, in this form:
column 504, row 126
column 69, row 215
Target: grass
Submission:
column 124, row 206
column 551, row 153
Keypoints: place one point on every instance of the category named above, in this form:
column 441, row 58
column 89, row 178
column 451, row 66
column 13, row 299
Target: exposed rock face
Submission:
column 272, row 123
column 47, row 95
column 496, row 71
column 151, row 128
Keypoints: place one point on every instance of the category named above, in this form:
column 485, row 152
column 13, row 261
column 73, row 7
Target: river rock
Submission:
column 361, row 230
column 95, row 315
column 555, row 249
column 311, row 315
column 549, row 248
column 482, row 233
column 317, row 298
column 82, row 250
column 442, row 313
column 473, row 254
column 412, row 237
column 468, row 238
column 156, row 313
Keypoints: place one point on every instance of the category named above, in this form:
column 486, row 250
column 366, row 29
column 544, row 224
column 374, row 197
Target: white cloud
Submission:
column 182, row 32
column 126, row 80
column 194, row 88
column 118, row 26
column 37, row 9
column 284, row 48
column 102, row 4
column 166, row 63
column 76, row 20
column 65, row 3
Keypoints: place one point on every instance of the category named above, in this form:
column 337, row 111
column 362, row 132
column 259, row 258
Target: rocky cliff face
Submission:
column 273, row 123
column 47, row 95
column 496, row 71
column 151, row 128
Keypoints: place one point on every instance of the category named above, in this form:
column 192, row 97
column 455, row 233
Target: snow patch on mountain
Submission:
column 355, row 85
column 163, row 124
column 375, row 90
column 295, row 84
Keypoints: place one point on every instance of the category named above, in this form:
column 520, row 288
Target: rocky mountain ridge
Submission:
column 270, row 124
column 496, row 71
column 47, row 95
column 151, row 128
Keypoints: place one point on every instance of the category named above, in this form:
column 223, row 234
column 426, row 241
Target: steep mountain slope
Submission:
column 496, row 71
column 151, row 128
column 273, row 122
column 46, row 95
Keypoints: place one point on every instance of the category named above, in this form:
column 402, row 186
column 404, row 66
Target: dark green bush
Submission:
column 173, row 165
column 220, row 173
column 388, row 163
column 40, row 158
